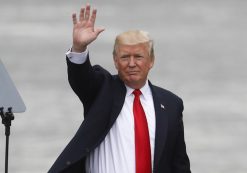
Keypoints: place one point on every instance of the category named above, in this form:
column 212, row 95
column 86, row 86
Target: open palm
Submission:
column 84, row 31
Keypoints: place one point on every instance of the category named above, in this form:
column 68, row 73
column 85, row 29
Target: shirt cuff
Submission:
column 77, row 58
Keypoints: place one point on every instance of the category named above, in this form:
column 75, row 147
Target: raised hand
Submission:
column 84, row 31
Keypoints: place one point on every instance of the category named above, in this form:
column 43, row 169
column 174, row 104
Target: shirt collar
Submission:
column 146, row 90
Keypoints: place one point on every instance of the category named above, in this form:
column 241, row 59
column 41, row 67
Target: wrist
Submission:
column 78, row 49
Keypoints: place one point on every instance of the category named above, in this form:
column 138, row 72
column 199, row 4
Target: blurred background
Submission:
column 200, row 48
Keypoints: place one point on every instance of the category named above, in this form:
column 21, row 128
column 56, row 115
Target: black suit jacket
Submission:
column 102, row 95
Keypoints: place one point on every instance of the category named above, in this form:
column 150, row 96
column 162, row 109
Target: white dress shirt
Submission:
column 116, row 153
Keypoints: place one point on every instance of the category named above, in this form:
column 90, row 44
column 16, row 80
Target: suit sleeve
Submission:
column 181, row 163
column 85, row 80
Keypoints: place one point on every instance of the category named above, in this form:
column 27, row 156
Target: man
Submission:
column 130, row 125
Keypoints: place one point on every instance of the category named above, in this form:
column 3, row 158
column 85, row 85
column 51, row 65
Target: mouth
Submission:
column 132, row 72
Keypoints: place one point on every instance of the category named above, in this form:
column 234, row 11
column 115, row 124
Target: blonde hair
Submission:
column 134, row 37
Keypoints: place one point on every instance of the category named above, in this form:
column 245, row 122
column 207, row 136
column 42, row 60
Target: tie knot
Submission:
column 137, row 92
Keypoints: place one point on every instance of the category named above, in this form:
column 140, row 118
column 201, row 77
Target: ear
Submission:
column 115, row 61
column 151, row 62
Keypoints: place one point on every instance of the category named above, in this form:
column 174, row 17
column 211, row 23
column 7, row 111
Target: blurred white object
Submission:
column 9, row 96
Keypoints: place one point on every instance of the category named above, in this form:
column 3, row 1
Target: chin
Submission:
column 135, row 84
column 133, row 79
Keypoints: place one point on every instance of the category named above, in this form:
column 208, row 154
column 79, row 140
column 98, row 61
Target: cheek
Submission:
column 121, row 66
column 149, row 65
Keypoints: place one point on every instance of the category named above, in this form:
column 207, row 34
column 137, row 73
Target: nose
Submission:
column 132, row 62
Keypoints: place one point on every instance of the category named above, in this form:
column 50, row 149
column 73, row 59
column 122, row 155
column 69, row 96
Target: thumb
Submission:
column 99, row 30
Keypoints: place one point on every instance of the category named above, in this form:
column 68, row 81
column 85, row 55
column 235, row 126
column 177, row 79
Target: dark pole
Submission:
column 6, row 120
column 6, row 154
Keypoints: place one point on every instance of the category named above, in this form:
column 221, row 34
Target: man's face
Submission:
column 133, row 63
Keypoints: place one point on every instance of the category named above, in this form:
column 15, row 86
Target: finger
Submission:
column 93, row 17
column 74, row 18
column 82, row 14
column 87, row 13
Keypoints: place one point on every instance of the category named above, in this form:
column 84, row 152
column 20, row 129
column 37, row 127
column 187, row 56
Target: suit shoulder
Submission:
column 166, row 93
column 168, row 97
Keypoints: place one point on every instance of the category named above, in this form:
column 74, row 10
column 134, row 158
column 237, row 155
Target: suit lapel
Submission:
column 118, row 94
column 161, row 124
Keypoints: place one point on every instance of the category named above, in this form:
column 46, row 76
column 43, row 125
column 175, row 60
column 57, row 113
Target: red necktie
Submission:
column 142, row 143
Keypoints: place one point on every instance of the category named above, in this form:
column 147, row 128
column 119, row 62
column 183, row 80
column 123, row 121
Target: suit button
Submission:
column 68, row 163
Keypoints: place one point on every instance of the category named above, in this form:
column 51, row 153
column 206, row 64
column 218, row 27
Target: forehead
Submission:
column 135, row 48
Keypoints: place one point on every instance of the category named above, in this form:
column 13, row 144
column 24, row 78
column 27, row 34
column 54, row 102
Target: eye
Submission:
column 138, row 56
column 124, row 56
